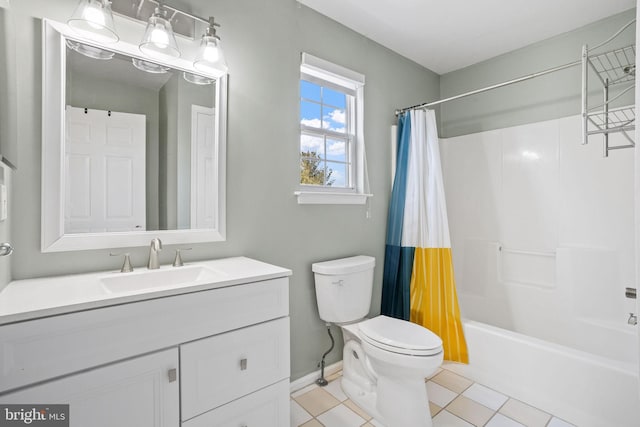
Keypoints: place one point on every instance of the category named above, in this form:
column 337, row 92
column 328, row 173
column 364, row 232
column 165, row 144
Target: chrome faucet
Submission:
column 156, row 246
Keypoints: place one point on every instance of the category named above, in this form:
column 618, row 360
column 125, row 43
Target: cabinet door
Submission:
column 135, row 393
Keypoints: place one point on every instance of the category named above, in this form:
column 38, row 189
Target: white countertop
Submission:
column 30, row 299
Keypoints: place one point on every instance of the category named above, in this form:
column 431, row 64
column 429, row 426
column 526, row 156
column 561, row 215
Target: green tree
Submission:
column 311, row 171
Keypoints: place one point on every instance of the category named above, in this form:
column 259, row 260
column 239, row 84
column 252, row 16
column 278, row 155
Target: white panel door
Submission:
column 105, row 171
column 203, row 172
column 137, row 393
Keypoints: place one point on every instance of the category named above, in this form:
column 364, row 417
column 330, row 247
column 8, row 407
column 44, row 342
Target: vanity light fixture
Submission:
column 158, row 39
column 93, row 19
column 210, row 56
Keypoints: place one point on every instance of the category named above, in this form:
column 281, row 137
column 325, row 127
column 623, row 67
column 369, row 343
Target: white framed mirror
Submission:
column 133, row 147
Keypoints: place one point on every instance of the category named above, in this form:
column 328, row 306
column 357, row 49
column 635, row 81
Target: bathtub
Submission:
column 582, row 388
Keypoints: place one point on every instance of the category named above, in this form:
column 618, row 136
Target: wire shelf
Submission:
column 616, row 66
column 614, row 119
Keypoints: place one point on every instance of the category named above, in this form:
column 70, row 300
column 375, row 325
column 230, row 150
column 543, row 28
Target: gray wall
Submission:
column 543, row 98
column 263, row 40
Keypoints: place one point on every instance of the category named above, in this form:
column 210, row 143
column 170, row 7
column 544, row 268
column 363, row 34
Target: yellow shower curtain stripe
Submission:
column 434, row 303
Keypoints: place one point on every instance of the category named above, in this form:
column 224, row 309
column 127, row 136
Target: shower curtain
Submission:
column 418, row 281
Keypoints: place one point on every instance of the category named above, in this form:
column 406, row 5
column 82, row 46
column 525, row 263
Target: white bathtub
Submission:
column 582, row 388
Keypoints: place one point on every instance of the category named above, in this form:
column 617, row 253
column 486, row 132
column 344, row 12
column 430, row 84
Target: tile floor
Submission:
column 455, row 401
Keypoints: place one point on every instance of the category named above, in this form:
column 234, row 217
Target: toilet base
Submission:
column 403, row 403
column 398, row 413
column 365, row 400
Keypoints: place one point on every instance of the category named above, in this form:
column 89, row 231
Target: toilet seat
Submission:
column 400, row 336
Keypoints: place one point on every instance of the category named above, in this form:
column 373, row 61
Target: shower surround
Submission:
column 542, row 233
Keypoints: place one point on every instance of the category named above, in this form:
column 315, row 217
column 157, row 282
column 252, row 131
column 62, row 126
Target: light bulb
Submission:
column 211, row 53
column 159, row 36
column 159, row 40
column 94, row 17
column 210, row 58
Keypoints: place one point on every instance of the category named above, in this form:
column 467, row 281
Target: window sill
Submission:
column 330, row 198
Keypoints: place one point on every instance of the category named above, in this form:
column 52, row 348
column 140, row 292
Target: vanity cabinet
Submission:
column 212, row 357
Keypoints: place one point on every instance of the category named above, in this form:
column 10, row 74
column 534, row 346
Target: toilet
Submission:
column 385, row 360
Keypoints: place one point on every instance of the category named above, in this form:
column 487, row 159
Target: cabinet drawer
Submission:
column 85, row 339
column 224, row 367
column 268, row 407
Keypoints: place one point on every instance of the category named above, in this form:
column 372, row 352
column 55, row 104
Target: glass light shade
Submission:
column 197, row 79
column 210, row 57
column 149, row 67
column 90, row 51
column 159, row 40
column 93, row 19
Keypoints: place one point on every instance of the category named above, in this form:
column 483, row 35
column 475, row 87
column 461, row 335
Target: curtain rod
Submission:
column 495, row 86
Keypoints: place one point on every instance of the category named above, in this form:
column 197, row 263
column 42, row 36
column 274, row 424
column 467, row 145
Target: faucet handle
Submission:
column 126, row 266
column 156, row 244
column 178, row 261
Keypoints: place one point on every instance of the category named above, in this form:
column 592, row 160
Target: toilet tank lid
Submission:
column 340, row 266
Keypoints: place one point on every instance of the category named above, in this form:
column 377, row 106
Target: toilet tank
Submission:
column 343, row 288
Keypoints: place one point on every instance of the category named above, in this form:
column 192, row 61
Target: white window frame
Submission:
column 328, row 74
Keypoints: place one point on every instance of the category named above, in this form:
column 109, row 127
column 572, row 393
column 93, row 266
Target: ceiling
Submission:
column 446, row 35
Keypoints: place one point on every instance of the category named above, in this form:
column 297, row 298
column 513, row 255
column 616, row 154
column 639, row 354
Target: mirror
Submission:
column 133, row 147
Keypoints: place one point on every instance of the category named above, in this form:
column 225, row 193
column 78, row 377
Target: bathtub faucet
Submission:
column 633, row 319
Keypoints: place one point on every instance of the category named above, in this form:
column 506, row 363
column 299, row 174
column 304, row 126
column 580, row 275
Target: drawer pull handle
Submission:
column 243, row 364
column 173, row 375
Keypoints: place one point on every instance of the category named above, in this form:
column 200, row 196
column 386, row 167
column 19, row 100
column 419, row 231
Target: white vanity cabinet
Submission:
column 214, row 356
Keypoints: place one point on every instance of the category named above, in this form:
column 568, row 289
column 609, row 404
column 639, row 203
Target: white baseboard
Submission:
column 313, row 376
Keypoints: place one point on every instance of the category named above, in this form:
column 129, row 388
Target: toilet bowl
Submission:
column 385, row 360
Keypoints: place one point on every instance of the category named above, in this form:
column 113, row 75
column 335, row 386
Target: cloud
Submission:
column 338, row 116
column 311, row 143
column 335, row 148
column 338, row 177
column 314, row 123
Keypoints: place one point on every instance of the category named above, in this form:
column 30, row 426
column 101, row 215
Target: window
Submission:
column 331, row 146
column 326, row 136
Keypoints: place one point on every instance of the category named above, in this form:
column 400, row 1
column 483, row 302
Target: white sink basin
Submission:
column 161, row 278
